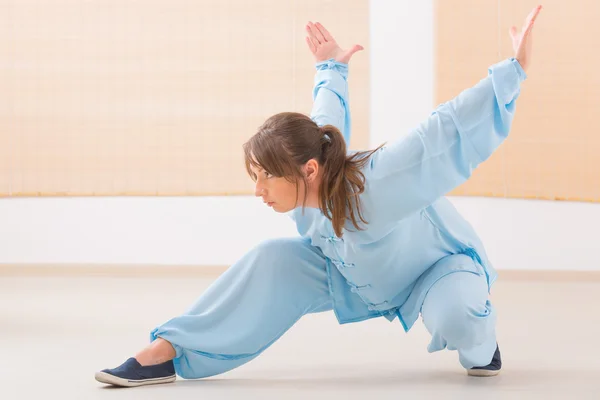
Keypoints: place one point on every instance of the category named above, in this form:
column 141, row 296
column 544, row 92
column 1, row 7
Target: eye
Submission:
column 268, row 175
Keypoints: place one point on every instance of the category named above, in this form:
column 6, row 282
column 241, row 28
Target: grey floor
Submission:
column 56, row 332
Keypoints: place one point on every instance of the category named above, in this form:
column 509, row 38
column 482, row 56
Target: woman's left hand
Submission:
column 324, row 47
column 521, row 40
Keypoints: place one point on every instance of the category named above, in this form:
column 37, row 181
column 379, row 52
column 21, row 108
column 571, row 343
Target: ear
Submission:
column 311, row 170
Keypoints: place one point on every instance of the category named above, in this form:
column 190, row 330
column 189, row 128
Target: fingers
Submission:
column 311, row 45
column 531, row 19
column 318, row 33
column 324, row 32
column 315, row 42
column 311, row 38
column 513, row 34
column 314, row 33
column 347, row 55
column 534, row 13
column 355, row 48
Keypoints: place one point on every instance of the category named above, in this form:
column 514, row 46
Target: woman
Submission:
column 377, row 237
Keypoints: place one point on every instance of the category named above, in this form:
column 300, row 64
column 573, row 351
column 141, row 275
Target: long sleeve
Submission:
column 439, row 155
column 330, row 97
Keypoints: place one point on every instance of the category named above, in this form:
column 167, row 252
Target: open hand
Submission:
column 323, row 46
column 522, row 40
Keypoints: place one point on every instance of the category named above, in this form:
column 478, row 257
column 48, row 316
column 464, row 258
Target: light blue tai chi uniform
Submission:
column 416, row 256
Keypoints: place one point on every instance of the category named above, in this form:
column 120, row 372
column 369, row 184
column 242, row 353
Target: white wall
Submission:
column 401, row 66
column 217, row 231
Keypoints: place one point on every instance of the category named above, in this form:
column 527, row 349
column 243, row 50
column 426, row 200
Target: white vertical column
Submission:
column 402, row 61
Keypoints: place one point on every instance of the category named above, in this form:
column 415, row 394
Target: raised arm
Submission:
column 440, row 154
column 330, row 97
column 330, row 92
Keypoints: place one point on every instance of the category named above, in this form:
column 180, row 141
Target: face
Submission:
column 277, row 192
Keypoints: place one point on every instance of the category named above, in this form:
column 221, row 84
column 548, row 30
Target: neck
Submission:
column 312, row 198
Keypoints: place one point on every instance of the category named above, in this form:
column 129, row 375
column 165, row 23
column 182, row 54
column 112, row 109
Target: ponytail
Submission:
column 343, row 180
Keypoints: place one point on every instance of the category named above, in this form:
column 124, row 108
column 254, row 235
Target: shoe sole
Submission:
column 109, row 379
column 482, row 372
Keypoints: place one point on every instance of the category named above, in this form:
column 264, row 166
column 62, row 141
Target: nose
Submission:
column 258, row 190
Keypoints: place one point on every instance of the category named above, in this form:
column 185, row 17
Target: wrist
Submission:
column 521, row 63
column 519, row 67
column 330, row 62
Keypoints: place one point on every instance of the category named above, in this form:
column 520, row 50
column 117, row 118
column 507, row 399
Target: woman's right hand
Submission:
column 522, row 40
column 324, row 47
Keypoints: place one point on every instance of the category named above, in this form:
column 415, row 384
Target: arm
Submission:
column 330, row 96
column 442, row 152
column 330, row 92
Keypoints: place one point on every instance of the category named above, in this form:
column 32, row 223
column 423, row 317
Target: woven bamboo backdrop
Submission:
column 122, row 97
column 552, row 151
column 156, row 98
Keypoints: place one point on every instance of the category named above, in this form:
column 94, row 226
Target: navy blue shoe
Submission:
column 492, row 369
column 131, row 373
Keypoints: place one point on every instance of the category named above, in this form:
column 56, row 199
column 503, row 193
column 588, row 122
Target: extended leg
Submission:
column 248, row 308
column 241, row 314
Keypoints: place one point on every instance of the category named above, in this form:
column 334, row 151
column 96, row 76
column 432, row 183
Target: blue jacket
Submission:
column 414, row 235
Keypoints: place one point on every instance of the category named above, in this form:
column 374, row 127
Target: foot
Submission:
column 492, row 369
column 131, row 373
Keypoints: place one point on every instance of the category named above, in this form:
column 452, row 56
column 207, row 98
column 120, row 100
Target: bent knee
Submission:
column 457, row 307
column 464, row 324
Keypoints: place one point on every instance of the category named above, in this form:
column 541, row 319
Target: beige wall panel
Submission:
column 6, row 141
column 552, row 150
column 465, row 44
column 156, row 97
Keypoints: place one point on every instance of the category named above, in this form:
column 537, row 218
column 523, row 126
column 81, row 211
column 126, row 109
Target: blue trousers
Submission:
column 269, row 289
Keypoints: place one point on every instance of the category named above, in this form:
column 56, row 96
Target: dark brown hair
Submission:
column 288, row 140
